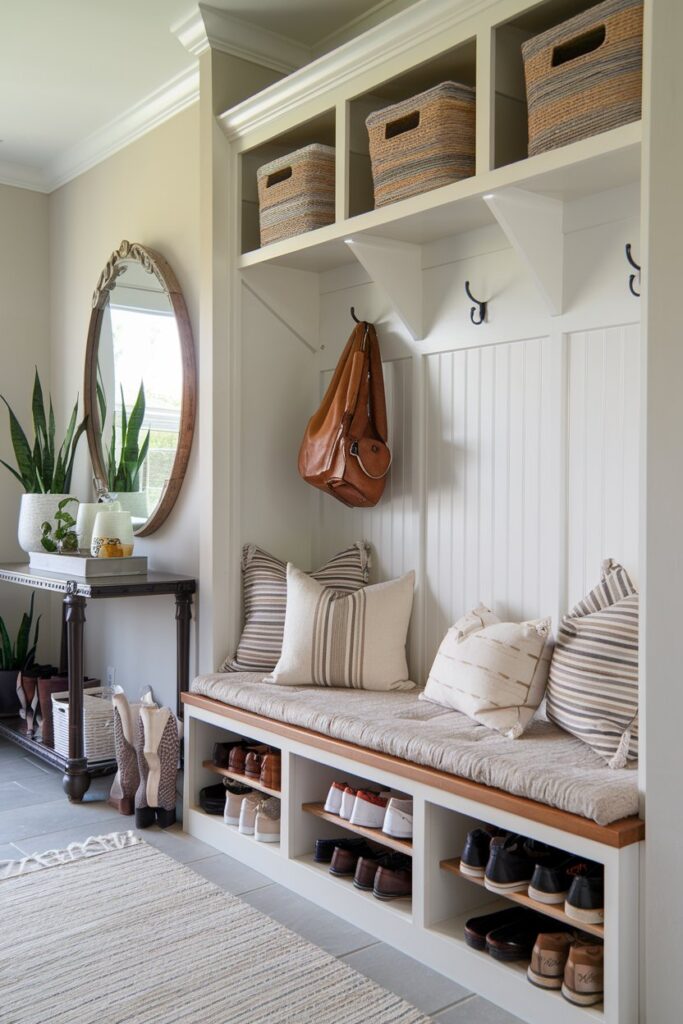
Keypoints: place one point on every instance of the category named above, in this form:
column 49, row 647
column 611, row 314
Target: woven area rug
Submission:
column 114, row 932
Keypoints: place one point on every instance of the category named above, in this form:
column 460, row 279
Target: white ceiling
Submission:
column 80, row 78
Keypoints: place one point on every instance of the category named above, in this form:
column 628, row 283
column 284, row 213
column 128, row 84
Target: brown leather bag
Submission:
column 344, row 451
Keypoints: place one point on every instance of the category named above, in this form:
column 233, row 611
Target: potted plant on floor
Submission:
column 43, row 470
column 16, row 658
column 123, row 473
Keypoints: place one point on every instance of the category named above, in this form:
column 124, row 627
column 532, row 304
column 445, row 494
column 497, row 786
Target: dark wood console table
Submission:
column 77, row 591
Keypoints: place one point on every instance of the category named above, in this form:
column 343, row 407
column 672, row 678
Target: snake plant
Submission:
column 41, row 468
column 124, row 475
column 19, row 655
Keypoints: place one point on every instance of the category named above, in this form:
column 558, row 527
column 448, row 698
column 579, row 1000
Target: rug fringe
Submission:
column 92, row 847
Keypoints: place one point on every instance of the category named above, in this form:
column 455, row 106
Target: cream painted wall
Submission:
column 24, row 344
column 148, row 193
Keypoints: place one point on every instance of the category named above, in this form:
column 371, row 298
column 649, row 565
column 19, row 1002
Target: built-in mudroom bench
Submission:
column 429, row 926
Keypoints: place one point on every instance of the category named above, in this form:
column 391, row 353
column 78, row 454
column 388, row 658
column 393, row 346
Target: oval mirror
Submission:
column 140, row 385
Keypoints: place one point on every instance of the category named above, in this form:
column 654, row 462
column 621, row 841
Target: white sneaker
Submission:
column 398, row 820
column 235, row 793
column 334, row 797
column 347, row 801
column 248, row 807
column 267, row 826
column 368, row 809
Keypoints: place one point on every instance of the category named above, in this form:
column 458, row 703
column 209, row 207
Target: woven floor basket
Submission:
column 423, row 142
column 585, row 76
column 98, row 725
column 296, row 193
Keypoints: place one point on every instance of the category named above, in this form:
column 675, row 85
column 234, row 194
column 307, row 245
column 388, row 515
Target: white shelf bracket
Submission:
column 533, row 225
column 397, row 268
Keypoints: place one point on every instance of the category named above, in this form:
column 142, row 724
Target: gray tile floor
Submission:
column 36, row 816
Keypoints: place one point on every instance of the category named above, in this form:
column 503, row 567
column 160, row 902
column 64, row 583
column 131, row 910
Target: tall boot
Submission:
column 127, row 778
column 158, row 750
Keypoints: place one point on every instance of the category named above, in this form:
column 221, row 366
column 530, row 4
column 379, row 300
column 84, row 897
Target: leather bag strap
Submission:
column 378, row 402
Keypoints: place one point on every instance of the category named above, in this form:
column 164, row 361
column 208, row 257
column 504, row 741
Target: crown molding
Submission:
column 206, row 27
column 23, row 176
column 172, row 98
column 391, row 38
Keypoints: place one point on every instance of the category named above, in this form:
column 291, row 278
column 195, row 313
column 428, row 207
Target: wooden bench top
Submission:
column 617, row 834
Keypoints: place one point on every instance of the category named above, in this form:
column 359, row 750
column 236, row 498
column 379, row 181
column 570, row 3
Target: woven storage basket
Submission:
column 98, row 725
column 585, row 76
column 296, row 193
column 423, row 142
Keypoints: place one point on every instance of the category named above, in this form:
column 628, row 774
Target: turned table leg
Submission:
column 76, row 780
column 183, row 616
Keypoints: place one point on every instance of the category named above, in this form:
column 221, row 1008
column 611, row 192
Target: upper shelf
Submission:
column 587, row 167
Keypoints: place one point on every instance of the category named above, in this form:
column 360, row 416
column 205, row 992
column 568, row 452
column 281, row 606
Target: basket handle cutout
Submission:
column 401, row 125
column 277, row 176
column 579, row 46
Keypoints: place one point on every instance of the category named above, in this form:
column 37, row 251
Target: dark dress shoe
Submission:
column 393, row 883
column 324, row 848
column 585, row 902
column 367, row 867
column 344, row 860
column 475, row 855
column 212, row 798
column 515, row 941
column 550, row 881
column 509, row 868
column 477, row 928
column 221, row 754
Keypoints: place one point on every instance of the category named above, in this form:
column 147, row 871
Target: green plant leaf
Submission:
column 48, row 544
column 6, row 653
column 70, row 466
column 22, row 449
column 12, row 471
column 38, row 409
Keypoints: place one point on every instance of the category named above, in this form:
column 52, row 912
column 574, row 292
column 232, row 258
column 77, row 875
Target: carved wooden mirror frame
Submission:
column 153, row 263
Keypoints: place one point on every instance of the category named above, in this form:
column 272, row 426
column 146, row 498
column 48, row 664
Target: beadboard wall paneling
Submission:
column 492, row 443
column 603, row 411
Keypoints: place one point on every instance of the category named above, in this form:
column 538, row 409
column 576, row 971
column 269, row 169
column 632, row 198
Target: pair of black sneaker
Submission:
column 510, row 863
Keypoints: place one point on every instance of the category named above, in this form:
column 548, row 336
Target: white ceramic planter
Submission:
column 34, row 510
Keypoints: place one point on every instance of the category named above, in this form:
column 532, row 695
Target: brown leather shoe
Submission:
column 367, row 867
column 271, row 771
column 583, row 973
column 252, row 764
column 237, row 757
column 393, row 883
column 344, row 860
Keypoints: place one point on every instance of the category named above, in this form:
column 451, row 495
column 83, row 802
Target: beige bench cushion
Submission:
column 545, row 764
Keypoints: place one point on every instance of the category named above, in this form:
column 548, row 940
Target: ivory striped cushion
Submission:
column 494, row 672
column 357, row 641
column 593, row 686
column 264, row 593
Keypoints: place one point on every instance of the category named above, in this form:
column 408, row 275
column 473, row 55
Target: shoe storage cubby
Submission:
column 428, row 926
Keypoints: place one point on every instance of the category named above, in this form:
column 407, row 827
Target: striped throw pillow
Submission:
column 593, row 684
column 264, row 593
column 494, row 672
column 357, row 641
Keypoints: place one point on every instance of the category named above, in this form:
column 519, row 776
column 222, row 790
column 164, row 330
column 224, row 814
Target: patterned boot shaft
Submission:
column 161, row 751
column 143, row 769
column 128, row 775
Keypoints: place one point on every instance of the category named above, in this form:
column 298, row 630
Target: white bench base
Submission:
column 430, row 926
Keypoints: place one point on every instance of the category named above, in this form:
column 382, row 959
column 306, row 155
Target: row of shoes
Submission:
column 253, row 760
column 510, row 863
column 560, row 957
column 371, row 809
column 385, row 874
column 254, row 813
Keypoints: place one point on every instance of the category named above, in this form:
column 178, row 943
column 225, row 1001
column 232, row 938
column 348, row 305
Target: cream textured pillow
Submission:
column 357, row 641
column 494, row 672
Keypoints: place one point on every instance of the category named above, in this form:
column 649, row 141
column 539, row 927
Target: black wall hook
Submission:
column 478, row 306
column 354, row 317
column 636, row 267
